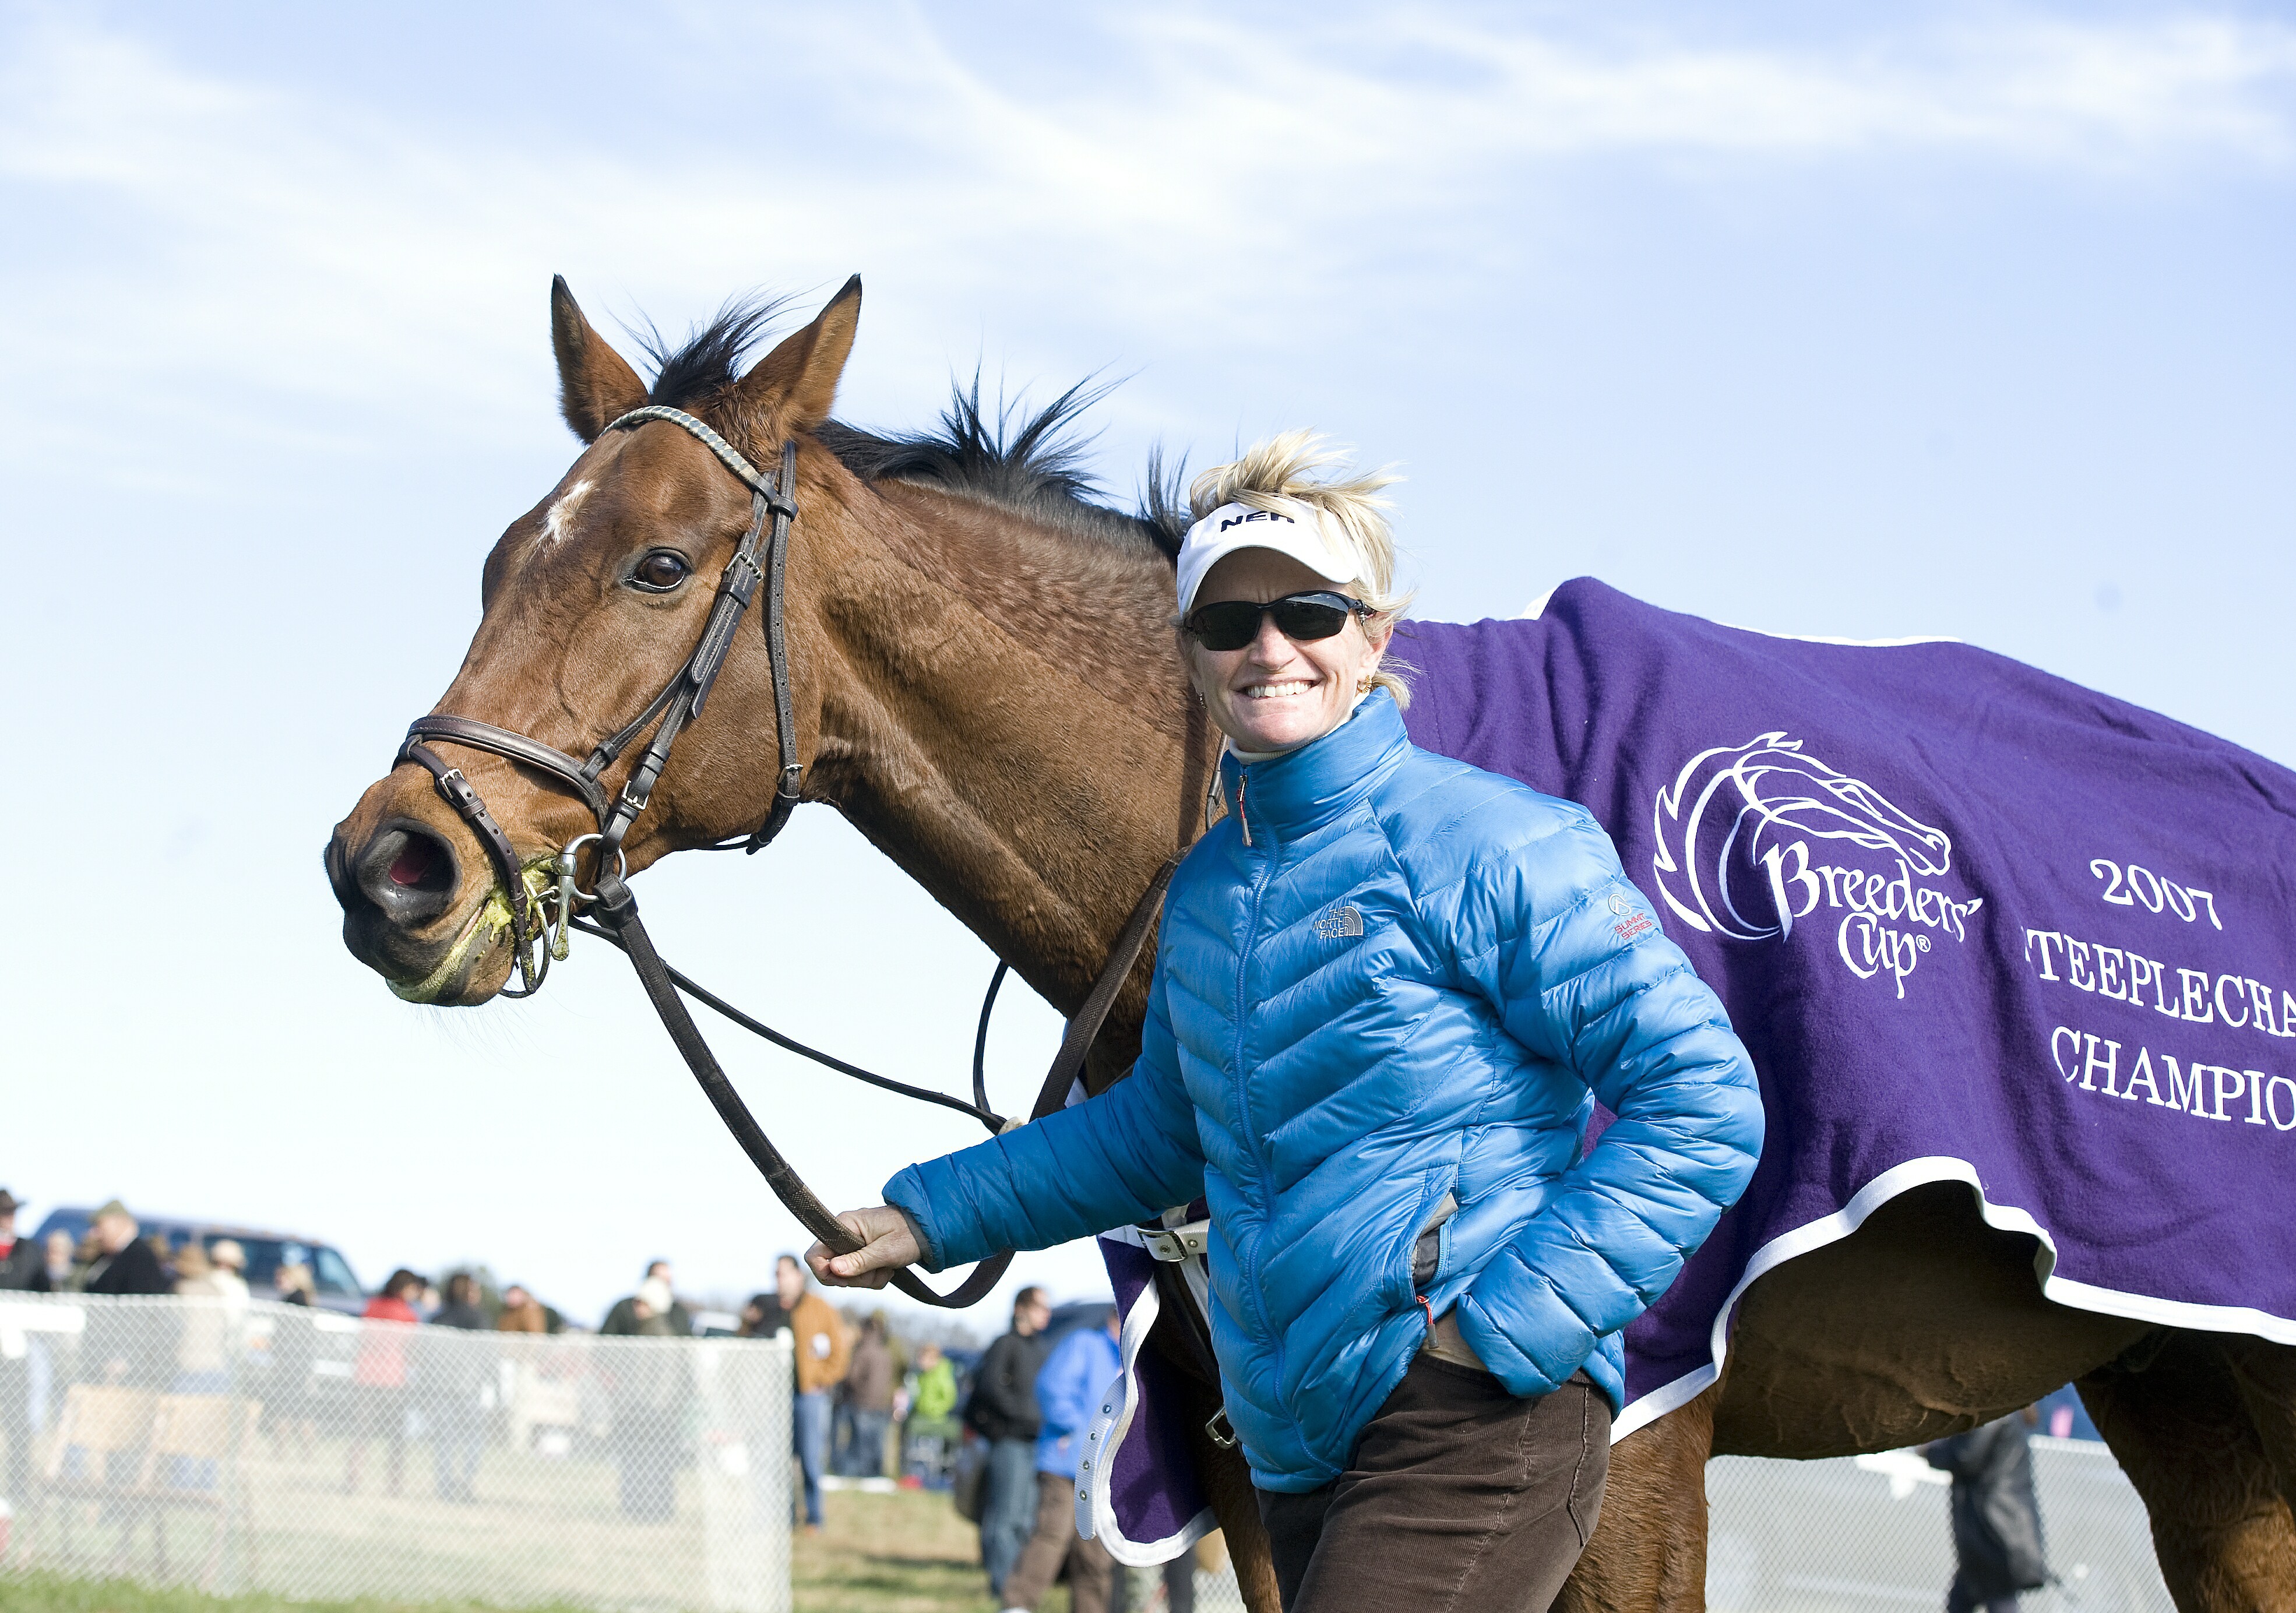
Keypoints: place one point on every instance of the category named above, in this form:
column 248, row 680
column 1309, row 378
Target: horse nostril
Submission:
column 408, row 872
column 415, row 862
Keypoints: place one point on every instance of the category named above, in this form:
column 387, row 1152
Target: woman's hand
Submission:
column 888, row 1242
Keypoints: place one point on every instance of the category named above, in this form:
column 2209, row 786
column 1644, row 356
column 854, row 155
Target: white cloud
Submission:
column 2051, row 92
column 254, row 231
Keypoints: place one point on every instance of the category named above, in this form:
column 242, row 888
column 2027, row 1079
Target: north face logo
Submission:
column 1342, row 920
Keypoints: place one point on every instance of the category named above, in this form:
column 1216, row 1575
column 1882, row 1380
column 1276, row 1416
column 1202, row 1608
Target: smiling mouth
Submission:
column 1283, row 689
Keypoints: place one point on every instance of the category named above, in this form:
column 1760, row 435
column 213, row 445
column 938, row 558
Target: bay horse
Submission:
column 986, row 685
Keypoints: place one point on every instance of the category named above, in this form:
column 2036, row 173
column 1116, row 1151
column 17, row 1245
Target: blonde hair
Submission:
column 1278, row 474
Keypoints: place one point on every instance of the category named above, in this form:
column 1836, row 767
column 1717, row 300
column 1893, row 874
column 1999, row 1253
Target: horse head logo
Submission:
column 1736, row 814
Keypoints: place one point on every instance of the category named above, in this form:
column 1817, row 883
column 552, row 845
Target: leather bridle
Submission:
column 772, row 510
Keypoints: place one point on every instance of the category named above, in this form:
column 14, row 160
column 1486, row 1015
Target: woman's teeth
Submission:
column 1277, row 692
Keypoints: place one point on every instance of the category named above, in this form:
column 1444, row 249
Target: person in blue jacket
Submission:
column 1389, row 990
column 1070, row 1386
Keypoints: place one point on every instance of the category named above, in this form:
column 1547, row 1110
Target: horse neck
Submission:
column 1007, row 720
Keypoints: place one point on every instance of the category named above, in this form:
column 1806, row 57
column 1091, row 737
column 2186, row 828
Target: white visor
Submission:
column 1307, row 538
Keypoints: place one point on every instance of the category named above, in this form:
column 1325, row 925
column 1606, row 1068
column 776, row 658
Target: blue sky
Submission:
column 1972, row 321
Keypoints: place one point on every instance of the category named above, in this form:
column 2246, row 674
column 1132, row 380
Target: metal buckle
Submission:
column 1175, row 1244
column 1214, row 1427
column 456, row 791
column 743, row 587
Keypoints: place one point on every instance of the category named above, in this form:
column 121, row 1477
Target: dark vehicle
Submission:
column 337, row 1285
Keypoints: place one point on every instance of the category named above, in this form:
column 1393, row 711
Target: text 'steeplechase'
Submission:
column 2139, row 1064
column 1756, row 841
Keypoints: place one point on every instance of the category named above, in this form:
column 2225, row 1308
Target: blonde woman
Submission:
column 1389, row 990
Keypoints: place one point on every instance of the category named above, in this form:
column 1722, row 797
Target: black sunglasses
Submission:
column 1302, row 617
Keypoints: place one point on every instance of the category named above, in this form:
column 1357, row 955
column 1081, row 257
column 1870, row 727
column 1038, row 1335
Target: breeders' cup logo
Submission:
column 1736, row 835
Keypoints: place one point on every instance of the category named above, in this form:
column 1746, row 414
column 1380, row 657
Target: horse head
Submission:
column 592, row 602
column 984, row 679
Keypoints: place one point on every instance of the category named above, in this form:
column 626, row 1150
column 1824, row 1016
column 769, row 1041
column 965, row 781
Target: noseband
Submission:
column 772, row 509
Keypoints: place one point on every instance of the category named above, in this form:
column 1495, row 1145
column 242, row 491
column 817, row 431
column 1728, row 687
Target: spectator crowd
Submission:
column 1001, row 1428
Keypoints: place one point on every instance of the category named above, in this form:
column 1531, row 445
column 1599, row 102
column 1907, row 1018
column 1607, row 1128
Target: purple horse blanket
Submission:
column 1974, row 922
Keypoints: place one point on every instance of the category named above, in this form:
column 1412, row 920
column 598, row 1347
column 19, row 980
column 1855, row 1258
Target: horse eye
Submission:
column 661, row 571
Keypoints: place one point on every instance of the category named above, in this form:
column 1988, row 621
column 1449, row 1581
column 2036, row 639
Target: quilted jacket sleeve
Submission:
column 1557, row 937
column 1123, row 1156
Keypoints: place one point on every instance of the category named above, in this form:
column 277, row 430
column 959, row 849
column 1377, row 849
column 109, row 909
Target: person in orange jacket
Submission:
column 825, row 1354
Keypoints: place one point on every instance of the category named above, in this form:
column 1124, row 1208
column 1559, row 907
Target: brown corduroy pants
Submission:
column 1461, row 1497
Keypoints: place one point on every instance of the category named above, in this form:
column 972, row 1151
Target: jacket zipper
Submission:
column 1255, row 1264
column 1243, row 822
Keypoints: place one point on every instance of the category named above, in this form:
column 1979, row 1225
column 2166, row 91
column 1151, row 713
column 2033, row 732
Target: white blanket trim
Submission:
column 1902, row 1178
column 1095, row 1507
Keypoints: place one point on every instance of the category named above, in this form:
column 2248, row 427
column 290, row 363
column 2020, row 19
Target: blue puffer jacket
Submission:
column 1406, row 982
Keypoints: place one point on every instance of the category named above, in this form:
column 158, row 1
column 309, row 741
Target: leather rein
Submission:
column 530, row 890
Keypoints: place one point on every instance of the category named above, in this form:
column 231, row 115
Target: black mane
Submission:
column 712, row 357
column 1032, row 464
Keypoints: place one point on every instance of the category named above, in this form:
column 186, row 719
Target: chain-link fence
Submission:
column 312, row 1455
column 1871, row 1533
column 293, row 1450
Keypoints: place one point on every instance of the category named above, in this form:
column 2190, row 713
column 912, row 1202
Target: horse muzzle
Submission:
column 412, row 913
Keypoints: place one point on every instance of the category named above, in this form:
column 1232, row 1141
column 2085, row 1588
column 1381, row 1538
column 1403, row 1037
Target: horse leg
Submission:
column 1648, row 1554
column 2181, row 1429
column 1227, row 1482
column 2266, row 1376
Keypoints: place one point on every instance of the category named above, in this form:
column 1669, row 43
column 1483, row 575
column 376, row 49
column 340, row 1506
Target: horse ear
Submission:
column 595, row 384
column 797, row 381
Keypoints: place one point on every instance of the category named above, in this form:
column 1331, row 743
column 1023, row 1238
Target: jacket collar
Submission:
column 1301, row 791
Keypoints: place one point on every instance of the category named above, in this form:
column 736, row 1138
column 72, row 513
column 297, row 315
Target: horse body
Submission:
column 987, row 687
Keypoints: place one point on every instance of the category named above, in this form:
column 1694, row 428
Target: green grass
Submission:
column 905, row 1553
column 41, row 1593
